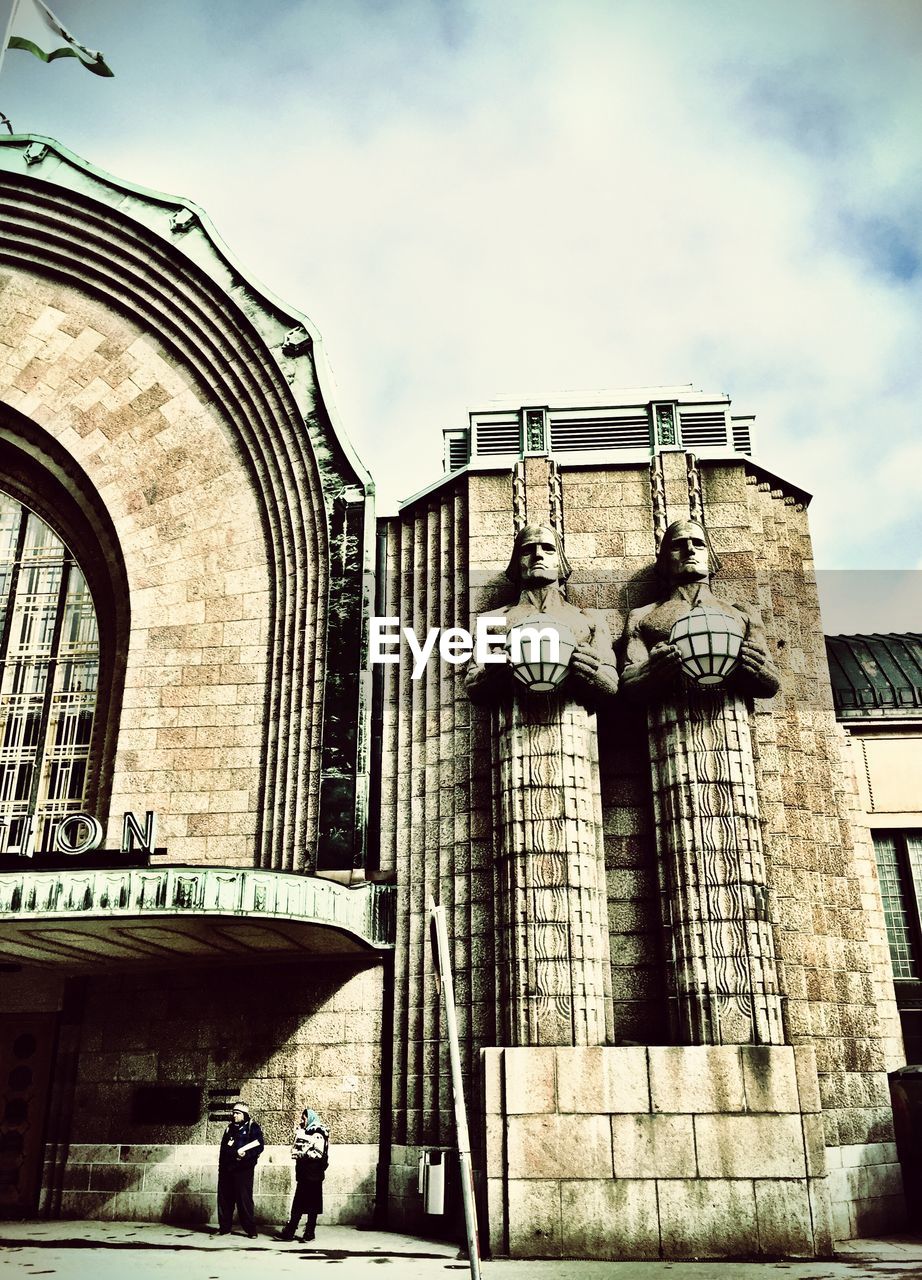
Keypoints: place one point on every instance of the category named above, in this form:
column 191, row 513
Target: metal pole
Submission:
column 443, row 967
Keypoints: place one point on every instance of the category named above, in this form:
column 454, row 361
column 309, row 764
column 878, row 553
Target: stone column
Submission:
column 551, row 901
column 723, row 975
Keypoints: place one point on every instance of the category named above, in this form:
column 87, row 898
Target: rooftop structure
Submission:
column 876, row 675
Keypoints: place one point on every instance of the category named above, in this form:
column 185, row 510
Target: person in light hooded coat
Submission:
column 310, row 1152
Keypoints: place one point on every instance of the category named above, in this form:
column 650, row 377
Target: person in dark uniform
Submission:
column 310, row 1152
column 241, row 1146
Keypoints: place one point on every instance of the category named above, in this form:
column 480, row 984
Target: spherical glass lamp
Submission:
column 532, row 655
column 709, row 640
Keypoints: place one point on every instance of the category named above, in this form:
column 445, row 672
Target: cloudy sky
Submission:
column 472, row 198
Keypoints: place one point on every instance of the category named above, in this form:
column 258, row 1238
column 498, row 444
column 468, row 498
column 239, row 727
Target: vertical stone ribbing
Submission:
column 723, row 976
column 395, row 826
column 421, row 860
column 555, row 970
column 519, row 509
column 695, row 497
column 658, row 498
column 407, row 876
column 437, row 1097
column 555, row 499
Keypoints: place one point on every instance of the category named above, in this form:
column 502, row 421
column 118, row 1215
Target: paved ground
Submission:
column 153, row 1251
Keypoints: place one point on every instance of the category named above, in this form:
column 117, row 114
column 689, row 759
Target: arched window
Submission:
column 49, row 674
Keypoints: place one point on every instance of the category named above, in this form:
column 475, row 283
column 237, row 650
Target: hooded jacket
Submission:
column 310, row 1149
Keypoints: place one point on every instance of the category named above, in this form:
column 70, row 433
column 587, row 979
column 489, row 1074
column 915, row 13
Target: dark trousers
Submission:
column 308, row 1199
column 235, row 1191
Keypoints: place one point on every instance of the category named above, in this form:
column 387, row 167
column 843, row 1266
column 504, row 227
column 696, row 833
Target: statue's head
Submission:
column 538, row 558
column 685, row 554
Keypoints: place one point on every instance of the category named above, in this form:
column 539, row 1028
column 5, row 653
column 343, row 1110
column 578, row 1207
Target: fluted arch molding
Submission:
column 175, row 292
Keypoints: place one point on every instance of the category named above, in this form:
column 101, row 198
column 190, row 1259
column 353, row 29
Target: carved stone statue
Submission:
column 723, row 976
column 652, row 662
column 551, row 902
column 536, row 569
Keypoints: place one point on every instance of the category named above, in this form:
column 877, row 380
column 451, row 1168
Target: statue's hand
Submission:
column 754, row 658
column 483, row 683
column 665, row 661
column 585, row 661
column 756, row 673
column 595, row 674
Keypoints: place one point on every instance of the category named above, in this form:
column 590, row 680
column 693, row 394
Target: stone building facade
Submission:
column 877, row 688
column 631, row 1143
column 165, row 433
column 169, row 452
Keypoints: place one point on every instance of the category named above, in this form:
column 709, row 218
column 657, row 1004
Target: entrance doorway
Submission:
column 26, row 1049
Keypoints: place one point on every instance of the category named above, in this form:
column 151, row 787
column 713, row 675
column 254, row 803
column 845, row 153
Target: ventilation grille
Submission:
column 457, row 451
column 703, row 430
column 742, row 435
column 591, row 434
column 498, row 437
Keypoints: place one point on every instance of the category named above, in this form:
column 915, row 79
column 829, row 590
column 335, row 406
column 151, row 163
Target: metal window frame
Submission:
column 42, row 823
column 911, row 891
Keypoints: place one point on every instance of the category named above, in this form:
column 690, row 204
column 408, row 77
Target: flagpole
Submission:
column 9, row 31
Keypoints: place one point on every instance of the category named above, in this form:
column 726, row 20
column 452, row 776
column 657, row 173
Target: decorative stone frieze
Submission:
column 37, row 901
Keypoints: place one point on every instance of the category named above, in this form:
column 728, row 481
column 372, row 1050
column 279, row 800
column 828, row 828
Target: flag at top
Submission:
column 34, row 27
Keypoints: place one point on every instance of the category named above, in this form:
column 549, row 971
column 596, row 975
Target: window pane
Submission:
column 10, row 516
column 914, row 849
column 896, row 910
column 49, row 666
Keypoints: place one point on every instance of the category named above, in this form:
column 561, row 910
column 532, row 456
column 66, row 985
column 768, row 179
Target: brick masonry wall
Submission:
column 281, row 1036
column 156, row 448
column 670, row 1152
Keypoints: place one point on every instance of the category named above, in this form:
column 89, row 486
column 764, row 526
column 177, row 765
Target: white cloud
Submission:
column 478, row 198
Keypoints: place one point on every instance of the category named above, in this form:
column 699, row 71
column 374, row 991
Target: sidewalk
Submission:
column 346, row 1241
column 152, row 1249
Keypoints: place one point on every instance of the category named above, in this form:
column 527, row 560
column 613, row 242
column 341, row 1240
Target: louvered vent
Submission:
column 702, row 430
column 742, row 435
column 457, row 450
column 592, row 434
column 498, row 437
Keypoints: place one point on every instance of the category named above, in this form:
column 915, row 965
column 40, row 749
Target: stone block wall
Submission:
column 404, row 1202
column 280, row 1036
column 866, row 1189
column 662, row 1152
column 157, row 449
column 610, row 542
column 178, row 1183
column 825, row 897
